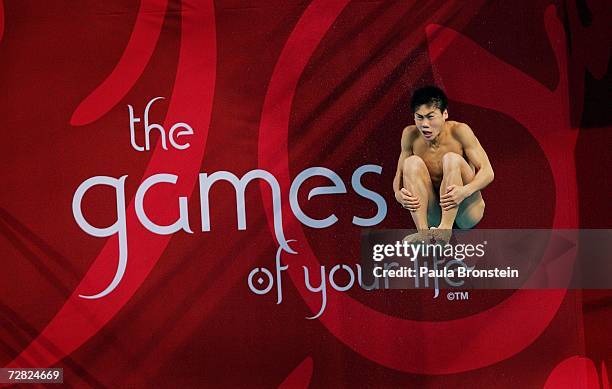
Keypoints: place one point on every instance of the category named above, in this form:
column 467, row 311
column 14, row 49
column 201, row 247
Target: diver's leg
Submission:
column 458, row 172
column 417, row 181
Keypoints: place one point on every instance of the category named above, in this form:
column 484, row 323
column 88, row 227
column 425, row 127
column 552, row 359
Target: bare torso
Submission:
column 432, row 154
column 445, row 155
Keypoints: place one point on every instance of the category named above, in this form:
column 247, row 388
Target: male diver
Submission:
column 441, row 169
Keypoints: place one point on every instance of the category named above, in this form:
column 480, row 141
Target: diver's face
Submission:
column 429, row 121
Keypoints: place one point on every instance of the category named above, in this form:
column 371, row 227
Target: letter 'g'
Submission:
column 119, row 227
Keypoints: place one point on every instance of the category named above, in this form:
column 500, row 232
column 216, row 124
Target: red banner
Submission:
column 185, row 185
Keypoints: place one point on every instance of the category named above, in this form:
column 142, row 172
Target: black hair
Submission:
column 430, row 96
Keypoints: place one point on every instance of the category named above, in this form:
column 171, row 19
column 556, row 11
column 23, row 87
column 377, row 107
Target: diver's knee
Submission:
column 451, row 160
column 414, row 164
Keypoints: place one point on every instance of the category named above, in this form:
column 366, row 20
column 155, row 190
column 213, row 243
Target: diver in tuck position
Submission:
column 441, row 169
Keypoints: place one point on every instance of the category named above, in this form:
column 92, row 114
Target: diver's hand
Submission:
column 454, row 195
column 407, row 199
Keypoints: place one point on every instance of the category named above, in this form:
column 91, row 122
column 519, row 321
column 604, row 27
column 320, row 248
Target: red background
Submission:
column 193, row 321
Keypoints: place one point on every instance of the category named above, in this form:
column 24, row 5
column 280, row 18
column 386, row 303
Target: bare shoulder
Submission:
column 462, row 132
column 409, row 134
column 409, row 130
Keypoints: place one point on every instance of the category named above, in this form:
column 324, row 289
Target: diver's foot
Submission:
column 440, row 234
column 419, row 237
